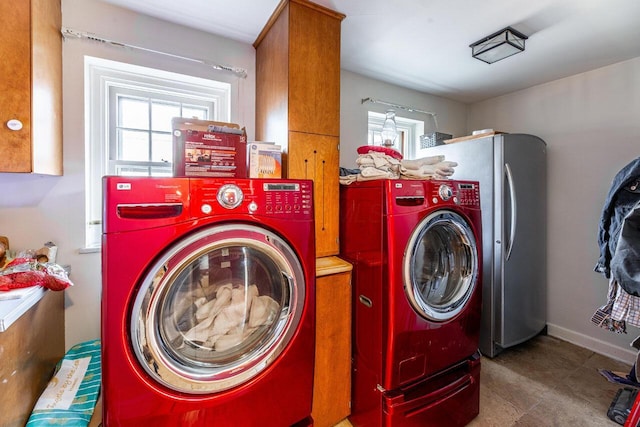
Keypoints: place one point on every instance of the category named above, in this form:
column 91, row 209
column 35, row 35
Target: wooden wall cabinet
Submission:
column 298, row 103
column 31, row 87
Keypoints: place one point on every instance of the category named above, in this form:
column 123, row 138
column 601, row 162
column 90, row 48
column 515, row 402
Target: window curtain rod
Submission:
column 398, row 106
column 67, row 32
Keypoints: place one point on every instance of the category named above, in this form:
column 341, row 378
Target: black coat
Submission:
column 622, row 200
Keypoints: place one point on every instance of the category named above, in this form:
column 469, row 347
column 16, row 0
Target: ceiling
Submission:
column 424, row 44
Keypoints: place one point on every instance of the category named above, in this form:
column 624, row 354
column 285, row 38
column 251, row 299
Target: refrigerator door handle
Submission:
column 514, row 213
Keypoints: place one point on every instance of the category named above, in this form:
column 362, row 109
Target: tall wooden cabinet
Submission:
column 298, row 103
column 31, row 87
column 298, row 106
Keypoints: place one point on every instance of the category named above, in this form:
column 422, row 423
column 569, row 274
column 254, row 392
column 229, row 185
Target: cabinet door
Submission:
column 316, row 157
column 31, row 348
column 31, row 86
column 46, row 78
column 272, row 80
column 314, row 70
column 332, row 383
column 15, row 101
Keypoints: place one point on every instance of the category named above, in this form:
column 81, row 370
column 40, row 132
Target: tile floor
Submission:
column 545, row 382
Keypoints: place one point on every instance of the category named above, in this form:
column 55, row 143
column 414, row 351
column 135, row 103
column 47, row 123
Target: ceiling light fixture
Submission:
column 499, row 45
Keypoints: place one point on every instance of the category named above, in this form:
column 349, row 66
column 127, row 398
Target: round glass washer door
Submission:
column 217, row 308
column 440, row 266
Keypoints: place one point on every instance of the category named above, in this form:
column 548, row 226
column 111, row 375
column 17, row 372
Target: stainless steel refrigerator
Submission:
column 511, row 169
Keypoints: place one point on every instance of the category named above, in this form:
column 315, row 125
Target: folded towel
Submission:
column 348, row 179
column 375, row 165
column 440, row 170
column 367, row 174
column 377, row 160
column 446, row 168
column 417, row 163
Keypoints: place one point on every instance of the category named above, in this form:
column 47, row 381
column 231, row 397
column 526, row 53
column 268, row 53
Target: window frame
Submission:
column 103, row 80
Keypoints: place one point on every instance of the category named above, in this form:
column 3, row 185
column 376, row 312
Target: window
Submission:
column 409, row 131
column 140, row 125
column 129, row 111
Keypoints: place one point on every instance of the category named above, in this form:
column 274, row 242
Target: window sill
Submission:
column 90, row 250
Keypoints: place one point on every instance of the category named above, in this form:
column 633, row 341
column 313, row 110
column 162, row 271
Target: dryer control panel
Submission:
column 469, row 194
column 458, row 193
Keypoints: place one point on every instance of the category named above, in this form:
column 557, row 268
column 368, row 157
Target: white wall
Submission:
column 591, row 123
column 353, row 113
column 35, row 209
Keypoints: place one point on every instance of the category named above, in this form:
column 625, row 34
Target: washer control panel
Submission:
column 290, row 198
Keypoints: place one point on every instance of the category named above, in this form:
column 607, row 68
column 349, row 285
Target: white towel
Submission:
column 229, row 340
column 348, row 179
column 377, row 160
column 440, row 170
column 215, row 306
column 370, row 173
column 417, row 163
column 446, row 168
column 375, row 165
column 264, row 311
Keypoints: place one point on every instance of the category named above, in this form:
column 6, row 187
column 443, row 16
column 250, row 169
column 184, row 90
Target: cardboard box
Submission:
column 204, row 148
column 264, row 160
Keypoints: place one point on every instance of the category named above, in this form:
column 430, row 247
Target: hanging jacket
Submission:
column 623, row 196
column 625, row 263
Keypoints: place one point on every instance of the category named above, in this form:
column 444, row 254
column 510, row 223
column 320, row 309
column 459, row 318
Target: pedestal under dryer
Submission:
column 415, row 250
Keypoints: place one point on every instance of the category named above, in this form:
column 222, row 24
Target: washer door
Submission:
column 217, row 308
column 440, row 266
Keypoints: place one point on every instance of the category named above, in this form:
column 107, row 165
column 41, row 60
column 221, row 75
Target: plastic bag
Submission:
column 24, row 272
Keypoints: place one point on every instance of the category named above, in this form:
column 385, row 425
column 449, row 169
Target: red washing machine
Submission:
column 208, row 309
column 415, row 248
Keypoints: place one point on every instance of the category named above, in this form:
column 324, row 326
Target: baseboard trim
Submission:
column 600, row 347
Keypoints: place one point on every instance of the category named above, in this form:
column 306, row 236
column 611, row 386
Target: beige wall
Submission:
column 591, row 123
column 353, row 113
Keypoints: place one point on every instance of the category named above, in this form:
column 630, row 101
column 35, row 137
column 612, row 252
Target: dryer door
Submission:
column 217, row 308
column 440, row 266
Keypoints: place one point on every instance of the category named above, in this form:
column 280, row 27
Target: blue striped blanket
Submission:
column 71, row 395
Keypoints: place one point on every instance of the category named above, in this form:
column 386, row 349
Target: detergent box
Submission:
column 203, row 148
column 264, row 160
